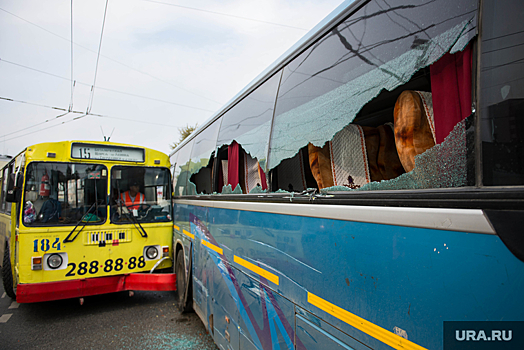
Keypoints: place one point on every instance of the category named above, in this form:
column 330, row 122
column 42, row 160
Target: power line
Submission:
column 111, row 59
column 225, row 14
column 107, row 89
column 90, row 105
column 49, row 127
column 32, row 126
column 34, row 104
column 72, row 62
column 90, row 114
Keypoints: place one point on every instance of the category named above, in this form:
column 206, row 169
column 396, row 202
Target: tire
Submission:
column 183, row 305
column 7, row 274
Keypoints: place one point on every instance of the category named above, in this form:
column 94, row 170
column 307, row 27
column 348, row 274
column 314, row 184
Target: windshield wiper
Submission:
column 142, row 232
column 67, row 240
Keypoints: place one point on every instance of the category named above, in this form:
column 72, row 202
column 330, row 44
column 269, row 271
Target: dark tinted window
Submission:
column 502, row 92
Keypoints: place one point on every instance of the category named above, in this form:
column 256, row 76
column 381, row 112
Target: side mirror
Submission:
column 13, row 188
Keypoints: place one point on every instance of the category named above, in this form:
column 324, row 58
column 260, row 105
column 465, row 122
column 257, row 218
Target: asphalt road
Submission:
column 147, row 320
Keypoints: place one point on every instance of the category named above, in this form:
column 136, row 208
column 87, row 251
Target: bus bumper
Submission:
column 37, row 292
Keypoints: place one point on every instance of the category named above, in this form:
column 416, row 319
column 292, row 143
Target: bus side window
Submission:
column 393, row 130
column 203, row 178
column 238, row 172
column 294, row 174
column 1, row 192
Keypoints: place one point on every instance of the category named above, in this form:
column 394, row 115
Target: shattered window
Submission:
column 381, row 101
column 339, row 97
column 202, row 160
column 502, row 94
column 249, row 122
column 243, row 141
column 444, row 165
column 182, row 171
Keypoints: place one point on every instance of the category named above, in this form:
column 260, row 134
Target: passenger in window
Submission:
column 133, row 199
column 51, row 210
column 29, row 209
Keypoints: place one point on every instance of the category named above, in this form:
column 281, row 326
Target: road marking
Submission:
column 3, row 295
column 14, row 305
column 4, row 318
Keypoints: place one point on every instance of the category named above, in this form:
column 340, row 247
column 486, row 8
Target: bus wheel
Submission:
column 183, row 304
column 7, row 274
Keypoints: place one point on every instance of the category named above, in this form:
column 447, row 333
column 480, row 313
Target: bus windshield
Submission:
column 64, row 194
column 140, row 194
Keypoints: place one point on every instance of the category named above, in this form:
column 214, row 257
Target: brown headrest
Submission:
column 413, row 133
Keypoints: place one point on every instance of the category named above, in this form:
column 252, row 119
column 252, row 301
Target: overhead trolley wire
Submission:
column 90, row 105
column 35, row 125
column 225, row 14
column 49, row 127
column 107, row 89
column 83, row 114
column 72, row 62
column 111, row 59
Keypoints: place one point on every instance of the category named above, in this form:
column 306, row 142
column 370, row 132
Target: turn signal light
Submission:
column 165, row 251
column 36, row 263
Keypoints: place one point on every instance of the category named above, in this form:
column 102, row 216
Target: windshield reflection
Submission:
column 64, row 193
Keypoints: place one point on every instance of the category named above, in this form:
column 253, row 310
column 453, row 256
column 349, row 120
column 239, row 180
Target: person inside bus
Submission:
column 133, row 199
column 51, row 210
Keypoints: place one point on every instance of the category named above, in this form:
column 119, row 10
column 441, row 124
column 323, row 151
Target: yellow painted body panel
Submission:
column 85, row 257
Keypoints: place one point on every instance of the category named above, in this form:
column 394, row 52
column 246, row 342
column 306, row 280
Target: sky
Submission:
column 156, row 66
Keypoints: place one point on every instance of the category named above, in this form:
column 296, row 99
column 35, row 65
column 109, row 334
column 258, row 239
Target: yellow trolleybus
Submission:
column 81, row 218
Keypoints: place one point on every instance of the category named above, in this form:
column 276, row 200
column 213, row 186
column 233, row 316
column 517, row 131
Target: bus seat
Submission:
column 320, row 164
column 253, row 174
column 388, row 161
column 414, row 126
column 356, row 156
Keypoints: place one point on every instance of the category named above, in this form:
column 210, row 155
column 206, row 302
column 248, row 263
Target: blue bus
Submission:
column 366, row 188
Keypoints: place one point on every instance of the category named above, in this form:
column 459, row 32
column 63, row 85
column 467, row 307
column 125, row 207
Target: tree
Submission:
column 184, row 133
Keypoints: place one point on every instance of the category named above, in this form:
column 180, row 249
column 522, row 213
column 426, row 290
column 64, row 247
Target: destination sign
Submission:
column 107, row 152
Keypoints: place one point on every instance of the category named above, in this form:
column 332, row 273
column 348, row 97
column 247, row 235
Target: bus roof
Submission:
column 63, row 152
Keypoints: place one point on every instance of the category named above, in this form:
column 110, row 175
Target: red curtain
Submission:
column 451, row 91
column 262, row 178
column 233, row 164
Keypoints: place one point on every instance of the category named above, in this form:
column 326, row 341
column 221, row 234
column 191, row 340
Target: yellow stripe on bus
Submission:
column 189, row 234
column 258, row 270
column 176, row 227
column 213, row 247
column 385, row 336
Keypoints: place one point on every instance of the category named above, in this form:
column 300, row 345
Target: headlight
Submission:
column 151, row 253
column 54, row 261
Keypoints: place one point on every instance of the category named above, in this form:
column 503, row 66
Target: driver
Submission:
column 132, row 199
